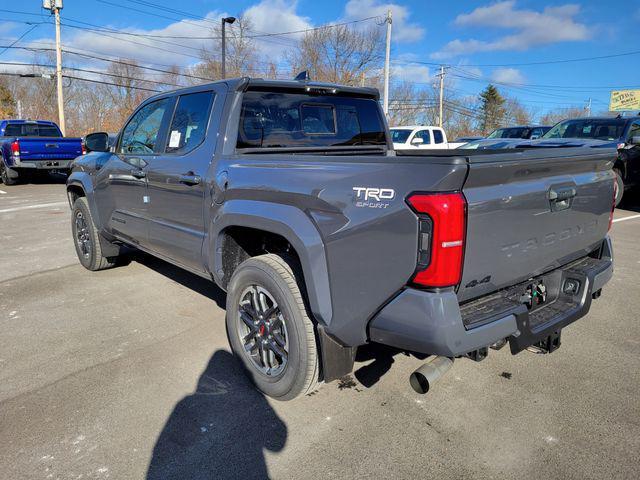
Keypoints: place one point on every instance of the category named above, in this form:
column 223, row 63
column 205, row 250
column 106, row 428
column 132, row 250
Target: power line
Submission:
column 523, row 64
column 20, row 38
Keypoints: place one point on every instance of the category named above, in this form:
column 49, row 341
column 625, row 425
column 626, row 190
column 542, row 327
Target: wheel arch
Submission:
column 79, row 185
column 277, row 221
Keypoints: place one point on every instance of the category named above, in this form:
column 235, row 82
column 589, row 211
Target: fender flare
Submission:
column 292, row 224
column 83, row 180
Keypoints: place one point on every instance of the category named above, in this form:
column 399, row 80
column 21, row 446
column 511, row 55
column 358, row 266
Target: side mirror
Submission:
column 97, row 142
column 535, row 136
column 417, row 141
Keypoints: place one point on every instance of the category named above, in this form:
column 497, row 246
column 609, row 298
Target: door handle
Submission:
column 561, row 198
column 136, row 172
column 562, row 194
column 190, row 179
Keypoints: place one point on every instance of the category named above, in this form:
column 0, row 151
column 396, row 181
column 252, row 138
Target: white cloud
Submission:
column 403, row 29
column 273, row 16
column 511, row 76
column 412, row 72
column 532, row 28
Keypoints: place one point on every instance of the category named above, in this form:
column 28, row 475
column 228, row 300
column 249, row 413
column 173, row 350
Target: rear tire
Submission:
column 620, row 183
column 4, row 175
column 269, row 329
column 86, row 238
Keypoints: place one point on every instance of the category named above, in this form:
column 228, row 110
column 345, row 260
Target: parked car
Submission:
column 29, row 146
column 289, row 196
column 623, row 133
column 530, row 132
column 420, row 136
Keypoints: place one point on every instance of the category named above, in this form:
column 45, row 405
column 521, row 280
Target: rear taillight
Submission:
column 15, row 148
column 442, row 235
column 84, row 149
column 613, row 203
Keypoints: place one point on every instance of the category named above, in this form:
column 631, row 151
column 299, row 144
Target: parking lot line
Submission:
column 31, row 207
column 2, row 192
column 630, row 217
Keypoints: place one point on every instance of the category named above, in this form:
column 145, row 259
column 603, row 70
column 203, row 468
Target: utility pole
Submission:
column 55, row 6
column 225, row 20
column 589, row 107
column 441, row 75
column 385, row 101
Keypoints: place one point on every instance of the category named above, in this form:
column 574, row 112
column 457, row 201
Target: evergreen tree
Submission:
column 492, row 109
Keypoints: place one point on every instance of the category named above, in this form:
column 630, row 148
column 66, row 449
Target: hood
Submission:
column 568, row 142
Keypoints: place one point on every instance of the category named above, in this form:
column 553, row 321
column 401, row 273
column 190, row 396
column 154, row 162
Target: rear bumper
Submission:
column 51, row 164
column 434, row 322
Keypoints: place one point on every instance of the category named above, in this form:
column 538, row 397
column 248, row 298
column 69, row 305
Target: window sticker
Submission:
column 174, row 139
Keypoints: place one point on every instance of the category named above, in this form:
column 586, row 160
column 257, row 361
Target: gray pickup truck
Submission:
column 290, row 197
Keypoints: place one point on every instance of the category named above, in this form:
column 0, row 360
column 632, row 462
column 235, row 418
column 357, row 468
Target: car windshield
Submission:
column 285, row 120
column 31, row 130
column 514, row 132
column 599, row 128
column 400, row 135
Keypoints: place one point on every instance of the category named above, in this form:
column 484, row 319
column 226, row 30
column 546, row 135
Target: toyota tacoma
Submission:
column 290, row 197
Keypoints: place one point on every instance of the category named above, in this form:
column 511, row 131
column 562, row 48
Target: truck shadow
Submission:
column 220, row 430
column 190, row 280
column 377, row 359
column 380, row 358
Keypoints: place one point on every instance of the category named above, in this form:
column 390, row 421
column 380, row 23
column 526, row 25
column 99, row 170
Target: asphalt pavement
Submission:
column 126, row 374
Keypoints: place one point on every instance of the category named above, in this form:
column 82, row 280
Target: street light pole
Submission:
column 225, row 20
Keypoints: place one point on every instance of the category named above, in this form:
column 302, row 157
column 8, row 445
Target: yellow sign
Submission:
column 622, row 100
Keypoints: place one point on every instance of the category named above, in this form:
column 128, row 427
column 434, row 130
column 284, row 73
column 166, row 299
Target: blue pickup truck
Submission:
column 30, row 146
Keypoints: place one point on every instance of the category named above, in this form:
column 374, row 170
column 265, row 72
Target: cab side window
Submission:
column 634, row 131
column 424, row 135
column 189, row 123
column 438, row 137
column 141, row 133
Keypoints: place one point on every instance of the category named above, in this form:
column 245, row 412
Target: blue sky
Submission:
column 482, row 41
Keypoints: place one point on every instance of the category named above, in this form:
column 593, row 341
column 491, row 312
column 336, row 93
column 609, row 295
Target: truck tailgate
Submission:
column 533, row 214
column 45, row 148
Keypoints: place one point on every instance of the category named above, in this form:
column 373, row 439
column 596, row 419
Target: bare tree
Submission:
column 554, row 116
column 516, row 113
column 339, row 54
column 409, row 105
column 241, row 56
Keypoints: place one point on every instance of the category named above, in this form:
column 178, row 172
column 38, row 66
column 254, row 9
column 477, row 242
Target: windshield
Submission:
column 31, row 130
column 400, row 135
column 283, row 119
column 515, row 132
column 600, row 129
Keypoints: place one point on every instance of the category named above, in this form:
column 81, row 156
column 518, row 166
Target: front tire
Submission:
column 269, row 329
column 86, row 238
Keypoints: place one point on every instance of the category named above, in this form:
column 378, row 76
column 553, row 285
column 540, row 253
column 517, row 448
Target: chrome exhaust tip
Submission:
column 424, row 377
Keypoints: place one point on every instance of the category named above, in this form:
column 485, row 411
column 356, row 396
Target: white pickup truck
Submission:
column 421, row 137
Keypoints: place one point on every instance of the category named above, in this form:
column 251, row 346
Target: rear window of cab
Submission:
column 284, row 119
